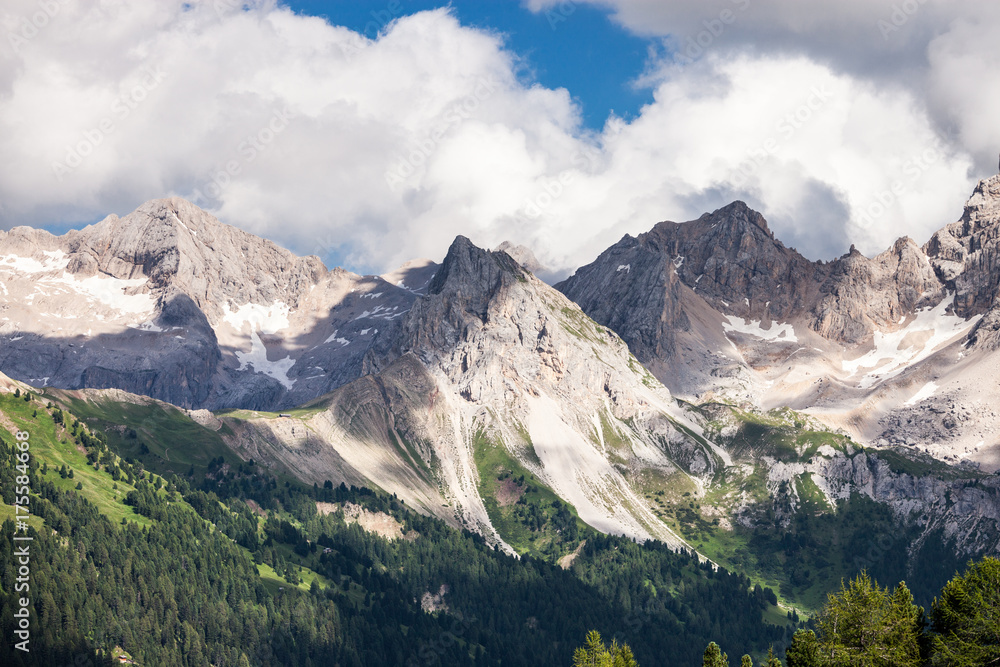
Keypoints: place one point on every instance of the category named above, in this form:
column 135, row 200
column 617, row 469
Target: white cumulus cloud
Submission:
column 374, row 151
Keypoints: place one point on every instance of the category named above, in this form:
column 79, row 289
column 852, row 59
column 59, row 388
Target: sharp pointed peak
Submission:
column 467, row 263
column 739, row 213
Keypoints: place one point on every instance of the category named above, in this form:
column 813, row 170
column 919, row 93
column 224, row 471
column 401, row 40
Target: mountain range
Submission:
column 700, row 384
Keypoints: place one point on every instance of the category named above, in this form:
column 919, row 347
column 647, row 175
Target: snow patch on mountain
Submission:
column 924, row 392
column 265, row 319
column 335, row 338
column 109, row 291
column 776, row 331
column 55, row 261
column 257, row 358
column 895, row 351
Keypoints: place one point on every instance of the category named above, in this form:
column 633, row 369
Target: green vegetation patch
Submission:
column 526, row 513
column 175, row 441
column 63, row 460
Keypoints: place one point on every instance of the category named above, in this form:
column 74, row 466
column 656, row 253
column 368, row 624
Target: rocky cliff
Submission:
column 171, row 303
column 718, row 306
column 492, row 365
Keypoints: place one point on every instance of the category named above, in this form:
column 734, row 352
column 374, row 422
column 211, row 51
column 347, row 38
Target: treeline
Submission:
column 185, row 590
column 659, row 600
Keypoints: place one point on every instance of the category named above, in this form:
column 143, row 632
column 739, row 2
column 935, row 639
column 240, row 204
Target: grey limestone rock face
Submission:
column 719, row 307
column 966, row 255
column 731, row 259
column 523, row 256
column 633, row 288
column 171, row 303
column 862, row 295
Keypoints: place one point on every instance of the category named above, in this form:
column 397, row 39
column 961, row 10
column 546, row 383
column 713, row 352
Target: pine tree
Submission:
column 714, row 657
column 772, row 660
column 621, row 656
column 966, row 618
column 594, row 653
column 864, row 626
column 746, row 661
column 804, row 650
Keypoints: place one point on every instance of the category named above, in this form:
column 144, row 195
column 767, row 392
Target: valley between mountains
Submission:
column 701, row 384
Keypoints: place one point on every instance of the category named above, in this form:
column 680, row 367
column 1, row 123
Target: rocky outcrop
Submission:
column 966, row 256
column 861, row 296
column 173, row 242
column 732, row 257
column 966, row 509
column 522, row 368
column 169, row 302
column 633, row 288
column 647, row 287
column 523, row 256
column 719, row 307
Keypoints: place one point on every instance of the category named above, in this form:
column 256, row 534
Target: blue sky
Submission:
column 571, row 45
column 370, row 139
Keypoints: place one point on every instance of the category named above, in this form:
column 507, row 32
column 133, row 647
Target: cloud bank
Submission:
column 369, row 152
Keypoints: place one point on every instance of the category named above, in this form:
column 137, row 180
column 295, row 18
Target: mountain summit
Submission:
column 169, row 302
column 475, row 392
column 719, row 306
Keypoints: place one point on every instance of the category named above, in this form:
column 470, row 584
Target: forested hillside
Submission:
column 228, row 565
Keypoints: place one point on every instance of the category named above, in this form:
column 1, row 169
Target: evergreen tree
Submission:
column 746, row 661
column 864, row 626
column 714, row 657
column 594, row 653
column 772, row 660
column 804, row 650
column 966, row 618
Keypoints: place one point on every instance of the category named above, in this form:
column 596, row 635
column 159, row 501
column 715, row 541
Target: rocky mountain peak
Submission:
column 169, row 301
column 731, row 258
column 966, row 253
column 522, row 255
column 983, row 206
column 174, row 243
column 862, row 295
column 740, row 217
column 474, row 272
